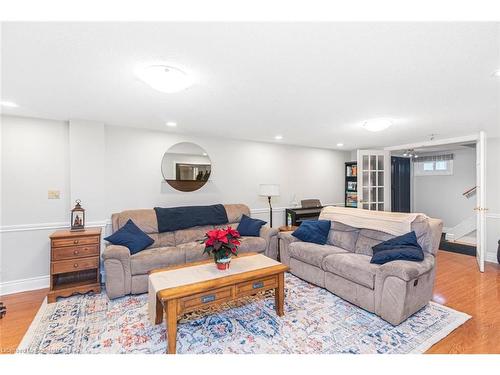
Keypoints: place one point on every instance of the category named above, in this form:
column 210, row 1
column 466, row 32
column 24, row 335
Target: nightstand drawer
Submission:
column 204, row 299
column 252, row 287
column 81, row 264
column 75, row 241
column 59, row 253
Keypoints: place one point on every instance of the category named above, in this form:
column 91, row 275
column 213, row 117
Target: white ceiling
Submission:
column 314, row 83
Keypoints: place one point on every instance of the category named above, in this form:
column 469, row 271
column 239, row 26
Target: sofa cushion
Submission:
column 344, row 236
column 132, row 237
column 193, row 251
column 191, row 235
column 368, row 238
column 143, row 218
column 235, row 211
column 311, row 253
column 249, row 226
column 150, row 259
column 315, row 231
column 354, row 267
column 403, row 247
column 252, row 244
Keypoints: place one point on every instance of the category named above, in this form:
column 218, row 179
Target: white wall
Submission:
column 441, row 196
column 115, row 168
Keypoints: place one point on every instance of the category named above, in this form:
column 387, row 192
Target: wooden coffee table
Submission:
column 181, row 289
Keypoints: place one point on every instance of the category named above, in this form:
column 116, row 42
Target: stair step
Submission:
column 457, row 247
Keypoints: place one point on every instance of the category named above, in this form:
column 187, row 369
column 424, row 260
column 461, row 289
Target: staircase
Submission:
column 461, row 238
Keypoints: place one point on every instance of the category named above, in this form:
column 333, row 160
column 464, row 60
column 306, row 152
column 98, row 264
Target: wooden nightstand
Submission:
column 74, row 263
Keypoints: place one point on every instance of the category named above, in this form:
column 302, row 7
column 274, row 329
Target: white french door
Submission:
column 480, row 200
column 374, row 180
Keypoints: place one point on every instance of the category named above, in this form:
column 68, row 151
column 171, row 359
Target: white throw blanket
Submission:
column 395, row 223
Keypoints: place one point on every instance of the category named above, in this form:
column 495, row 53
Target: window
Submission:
column 434, row 165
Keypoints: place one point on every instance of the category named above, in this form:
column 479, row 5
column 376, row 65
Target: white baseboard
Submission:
column 23, row 285
column 491, row 257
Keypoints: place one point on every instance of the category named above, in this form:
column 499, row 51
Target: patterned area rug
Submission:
column 315, row 321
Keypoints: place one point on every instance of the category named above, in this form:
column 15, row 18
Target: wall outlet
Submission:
column 54, row 194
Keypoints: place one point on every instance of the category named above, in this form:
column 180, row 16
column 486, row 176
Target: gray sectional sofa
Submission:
column 126, row 274
column 394, row 290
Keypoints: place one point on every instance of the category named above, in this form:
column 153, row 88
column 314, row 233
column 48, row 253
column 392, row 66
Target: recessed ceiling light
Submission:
column 497, row 73
column 205, row 154
column 164, row 78
column 171, row 124
column 8, row 104
column 377, row 125
column 340, row 144
column 278, row 137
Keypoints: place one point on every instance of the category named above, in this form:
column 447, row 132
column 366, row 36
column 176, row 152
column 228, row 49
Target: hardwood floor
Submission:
column 459, row 285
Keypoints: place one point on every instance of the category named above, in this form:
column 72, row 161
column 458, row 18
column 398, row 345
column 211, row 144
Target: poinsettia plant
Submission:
column 221, row 243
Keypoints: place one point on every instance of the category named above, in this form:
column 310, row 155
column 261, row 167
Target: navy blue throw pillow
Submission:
column 403, row 247
column 315, row 231
column 250, row 227
column 131, row 236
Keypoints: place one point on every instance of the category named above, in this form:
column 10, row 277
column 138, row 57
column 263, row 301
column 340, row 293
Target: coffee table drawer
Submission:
column 252, row 287
column 204, row 299
column 63, row 266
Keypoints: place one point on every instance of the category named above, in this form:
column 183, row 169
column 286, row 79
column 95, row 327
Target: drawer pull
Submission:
column 258, row 285
column 209, row 298
column 76, row 242
column 75, row 265
column 75, row 252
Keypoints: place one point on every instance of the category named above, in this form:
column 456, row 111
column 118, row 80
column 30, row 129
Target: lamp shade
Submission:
column 269, row 190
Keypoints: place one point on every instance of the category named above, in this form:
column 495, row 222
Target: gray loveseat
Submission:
column 126, row 274
column 394, row 291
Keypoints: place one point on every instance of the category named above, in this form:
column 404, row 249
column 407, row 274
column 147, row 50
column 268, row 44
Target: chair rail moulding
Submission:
column 50, row 226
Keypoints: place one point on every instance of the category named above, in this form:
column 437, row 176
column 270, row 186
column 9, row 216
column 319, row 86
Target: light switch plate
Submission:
column 54, row 194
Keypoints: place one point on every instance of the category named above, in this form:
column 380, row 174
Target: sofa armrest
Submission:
column 116, row 252
column 270, row 235
column 118, row 276
column 406, row 270
column 286, row 239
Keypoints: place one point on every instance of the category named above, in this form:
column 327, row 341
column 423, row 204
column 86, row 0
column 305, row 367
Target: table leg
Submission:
column 159, row 311
column 171, row 311
column 279, row 295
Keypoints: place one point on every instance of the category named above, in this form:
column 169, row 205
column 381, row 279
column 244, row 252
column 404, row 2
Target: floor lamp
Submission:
column 269, row 190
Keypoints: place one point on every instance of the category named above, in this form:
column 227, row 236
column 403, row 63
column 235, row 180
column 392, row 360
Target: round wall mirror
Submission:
column 186, row 166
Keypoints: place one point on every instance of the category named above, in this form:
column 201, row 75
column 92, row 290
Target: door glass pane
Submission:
column 373, row 162
column 365, row 162
column 380, row 194
column 365, row 206
column 365, row 193
column 380, row 165
column 381, row 207
column 380, row 181
column 373, row 178
column 373, row 207
column 373, row 195
column 429, row 166
column 365, row 179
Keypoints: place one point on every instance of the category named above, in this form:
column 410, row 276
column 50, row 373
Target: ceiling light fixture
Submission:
column 164, row 78
column 340, row 144
column 377, row 125
column 8, row 104
column 278, row 137
column 496, row 73
column 171, row 124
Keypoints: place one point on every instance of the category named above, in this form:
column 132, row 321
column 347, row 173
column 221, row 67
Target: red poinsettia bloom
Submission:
column 233, row 232
column 235, row 242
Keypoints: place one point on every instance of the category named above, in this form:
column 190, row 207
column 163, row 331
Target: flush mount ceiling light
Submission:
column 171, row 124
column 164, row 78
column 6, row 103
column 496, row 73
column 278, row 137
column 378, row 124
column 340, row 144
